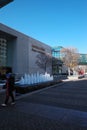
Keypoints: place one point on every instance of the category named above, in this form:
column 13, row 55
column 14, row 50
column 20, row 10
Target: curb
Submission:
column 36, row 91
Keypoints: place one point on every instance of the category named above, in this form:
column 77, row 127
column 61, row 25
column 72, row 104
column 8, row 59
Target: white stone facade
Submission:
column 22, row 51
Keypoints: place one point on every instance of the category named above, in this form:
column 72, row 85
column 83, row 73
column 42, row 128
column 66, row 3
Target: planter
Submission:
column 29, row 88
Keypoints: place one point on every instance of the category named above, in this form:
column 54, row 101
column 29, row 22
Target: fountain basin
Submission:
column 22, row 89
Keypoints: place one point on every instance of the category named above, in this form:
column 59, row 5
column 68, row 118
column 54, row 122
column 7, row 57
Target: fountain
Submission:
column 35, row 78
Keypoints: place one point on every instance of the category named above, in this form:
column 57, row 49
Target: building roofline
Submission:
column 16, row 31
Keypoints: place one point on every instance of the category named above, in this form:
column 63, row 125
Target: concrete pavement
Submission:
column 62, row 107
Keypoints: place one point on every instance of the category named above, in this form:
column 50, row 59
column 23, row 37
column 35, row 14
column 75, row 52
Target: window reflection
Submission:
column 3, row 52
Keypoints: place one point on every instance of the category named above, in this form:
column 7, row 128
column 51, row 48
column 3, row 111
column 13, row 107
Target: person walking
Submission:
column 10, row 82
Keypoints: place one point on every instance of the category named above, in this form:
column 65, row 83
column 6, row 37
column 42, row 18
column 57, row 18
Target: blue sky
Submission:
column 54, row 22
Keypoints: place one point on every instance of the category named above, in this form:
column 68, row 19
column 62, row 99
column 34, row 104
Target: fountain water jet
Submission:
column 35, row 78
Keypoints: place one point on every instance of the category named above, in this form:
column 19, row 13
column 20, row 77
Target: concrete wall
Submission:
column 21, row 57
column 42, row 48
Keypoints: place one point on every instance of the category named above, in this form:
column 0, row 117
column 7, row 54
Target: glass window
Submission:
column 3, row 52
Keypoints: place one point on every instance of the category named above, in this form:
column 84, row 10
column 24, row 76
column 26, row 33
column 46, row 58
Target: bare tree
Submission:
column 70, row 57
column 44, row 61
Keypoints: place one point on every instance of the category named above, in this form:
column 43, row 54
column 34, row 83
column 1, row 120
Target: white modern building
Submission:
column 19, row 51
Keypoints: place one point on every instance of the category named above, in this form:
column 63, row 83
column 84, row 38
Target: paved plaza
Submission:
column 61, row 107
